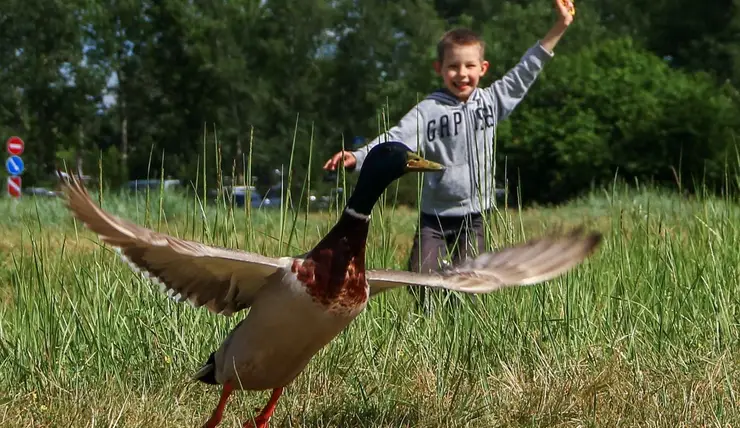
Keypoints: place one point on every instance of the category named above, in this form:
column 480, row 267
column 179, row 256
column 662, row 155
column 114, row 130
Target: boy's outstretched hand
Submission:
column 565, row 9
column 349, row 161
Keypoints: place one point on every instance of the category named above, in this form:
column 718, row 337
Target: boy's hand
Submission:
column 349, row 161
column 566, row 9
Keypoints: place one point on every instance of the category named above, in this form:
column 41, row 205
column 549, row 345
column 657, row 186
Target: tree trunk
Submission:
column 80, row 150
column 123, row 116
column 239, row 158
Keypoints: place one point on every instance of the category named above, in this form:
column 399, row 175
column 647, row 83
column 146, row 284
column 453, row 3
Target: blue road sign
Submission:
column 14, row 165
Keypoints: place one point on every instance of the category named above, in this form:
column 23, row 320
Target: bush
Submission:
column 617, row 109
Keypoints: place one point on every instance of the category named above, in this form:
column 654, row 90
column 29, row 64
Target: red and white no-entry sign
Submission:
column 14, row 186
column 15, row 145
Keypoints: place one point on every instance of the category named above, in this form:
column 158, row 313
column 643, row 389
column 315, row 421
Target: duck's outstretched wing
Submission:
column 224, row 281
column 531, row 262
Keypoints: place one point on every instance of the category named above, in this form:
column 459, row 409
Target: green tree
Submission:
column 48, row 93
column 616, row 108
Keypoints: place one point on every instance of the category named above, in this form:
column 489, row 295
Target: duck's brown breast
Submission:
column 334, row 277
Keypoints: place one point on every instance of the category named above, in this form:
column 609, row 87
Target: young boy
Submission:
column 455, row 126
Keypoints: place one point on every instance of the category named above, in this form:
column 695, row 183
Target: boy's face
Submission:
column 462, row 69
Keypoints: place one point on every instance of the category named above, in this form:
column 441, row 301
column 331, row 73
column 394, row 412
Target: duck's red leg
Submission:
column 263, row 418
column 218, row 412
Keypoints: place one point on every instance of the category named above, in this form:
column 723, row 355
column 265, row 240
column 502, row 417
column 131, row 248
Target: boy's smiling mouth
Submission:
column 462, row 85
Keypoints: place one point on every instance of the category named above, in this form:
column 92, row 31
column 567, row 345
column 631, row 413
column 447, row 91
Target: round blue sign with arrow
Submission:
column 14, row 165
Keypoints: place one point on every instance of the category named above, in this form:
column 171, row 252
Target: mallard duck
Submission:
column 299, row 304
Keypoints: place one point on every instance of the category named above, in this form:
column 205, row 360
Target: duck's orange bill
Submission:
column 416, row 163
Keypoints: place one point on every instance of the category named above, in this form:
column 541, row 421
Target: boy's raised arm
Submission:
column 566, row 10
column 509, row 90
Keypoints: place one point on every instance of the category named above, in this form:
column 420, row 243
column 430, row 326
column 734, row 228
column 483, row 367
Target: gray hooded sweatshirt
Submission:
column 460, row 135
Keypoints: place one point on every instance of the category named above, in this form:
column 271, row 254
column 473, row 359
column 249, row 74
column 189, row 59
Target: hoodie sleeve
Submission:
column 507, row 92
column 408, row 131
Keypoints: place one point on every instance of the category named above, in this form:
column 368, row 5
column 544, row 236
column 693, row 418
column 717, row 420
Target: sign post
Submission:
column 14, row 165
column 14, row 187
column 15, row 146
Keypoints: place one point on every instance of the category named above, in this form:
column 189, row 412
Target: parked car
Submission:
column 41, row 191
column 237, row 195
column 153, row 184
column 256, row 200
column 334, row 198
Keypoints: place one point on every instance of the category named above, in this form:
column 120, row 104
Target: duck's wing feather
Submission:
column 531, row 262
column 223, row 280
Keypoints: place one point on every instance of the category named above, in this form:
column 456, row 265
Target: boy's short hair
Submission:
column 459, row 37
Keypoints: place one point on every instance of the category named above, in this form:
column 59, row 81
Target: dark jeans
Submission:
column 439, row 237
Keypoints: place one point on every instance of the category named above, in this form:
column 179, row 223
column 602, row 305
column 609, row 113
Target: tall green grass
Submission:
column 645, row 333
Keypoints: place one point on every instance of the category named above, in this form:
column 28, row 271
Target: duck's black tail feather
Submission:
column 207, row 373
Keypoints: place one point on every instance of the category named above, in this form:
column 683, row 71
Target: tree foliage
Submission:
column 616, row 108
column 646, row 90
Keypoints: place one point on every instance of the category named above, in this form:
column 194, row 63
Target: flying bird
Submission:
column 298, row 304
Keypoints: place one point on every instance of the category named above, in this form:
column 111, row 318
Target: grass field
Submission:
column 646, row 333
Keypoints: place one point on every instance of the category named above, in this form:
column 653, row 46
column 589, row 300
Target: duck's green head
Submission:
column 385, row 163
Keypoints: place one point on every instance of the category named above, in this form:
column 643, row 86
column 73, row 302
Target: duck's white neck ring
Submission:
column 357, row 215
